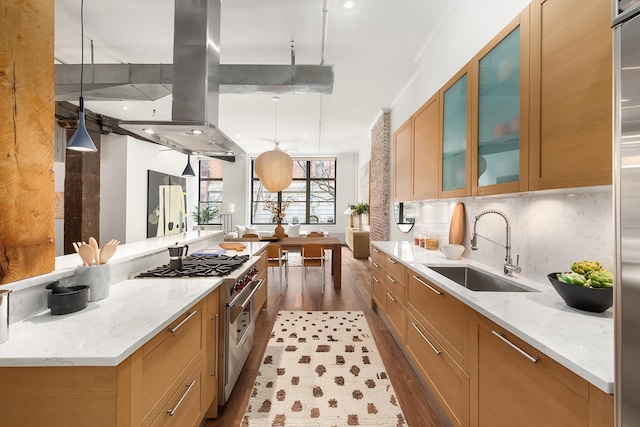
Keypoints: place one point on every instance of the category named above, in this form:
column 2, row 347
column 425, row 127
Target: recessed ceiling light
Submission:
column 229, row 153
column 124, row 107
column 149, row 131
column 349, row 4
column 196, row 131
column 275, row 99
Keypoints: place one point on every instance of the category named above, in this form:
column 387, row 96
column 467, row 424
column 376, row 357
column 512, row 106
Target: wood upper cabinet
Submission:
column 571, row 114
column 402, row 163
column 425, row 148
column 454, row 148
column 500, row 111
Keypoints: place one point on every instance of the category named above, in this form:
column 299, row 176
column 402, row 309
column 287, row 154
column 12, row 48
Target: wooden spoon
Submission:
column 87, row 254
column 107, row 252
column 94, row 245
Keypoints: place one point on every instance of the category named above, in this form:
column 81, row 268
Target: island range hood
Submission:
column 196, row 86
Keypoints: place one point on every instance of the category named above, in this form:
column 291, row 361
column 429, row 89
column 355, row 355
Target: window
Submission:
column 211, row 186
column 312, row 194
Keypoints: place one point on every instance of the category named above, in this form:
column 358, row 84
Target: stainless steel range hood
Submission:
column 196, row 86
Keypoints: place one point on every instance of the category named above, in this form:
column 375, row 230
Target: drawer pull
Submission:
column 376, row 250
column 215, row 357
column 391, row 278
column 391, row 296
column 183, row 322
column 175, row 408
column 438, row 352
column 392, row 261
column 376, row 279
column 427, row 285
column 375, row 265
column 515, row 347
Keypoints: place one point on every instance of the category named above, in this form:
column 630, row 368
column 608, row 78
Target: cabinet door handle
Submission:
column 175, row 408
column 392, row 261
column 376, row 250
column 215, row 360
column 515, row 347
column 376, row 279
column 391, row 278
column 391, row 296
column 376, row 265
column 183, row 322
column 427, row 285
column 438, row 352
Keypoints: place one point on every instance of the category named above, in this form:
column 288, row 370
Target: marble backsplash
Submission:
column 549, row 231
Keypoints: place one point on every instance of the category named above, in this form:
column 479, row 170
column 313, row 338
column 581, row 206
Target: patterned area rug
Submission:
column 322, row 368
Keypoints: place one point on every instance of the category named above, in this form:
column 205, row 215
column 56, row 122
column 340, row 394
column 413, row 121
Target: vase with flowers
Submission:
column 278, row 212
column 359, row 210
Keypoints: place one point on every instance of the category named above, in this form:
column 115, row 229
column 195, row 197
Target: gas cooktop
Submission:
column 199, row 266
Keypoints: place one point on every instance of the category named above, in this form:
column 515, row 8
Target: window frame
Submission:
column 218, row 218
column 308, row 181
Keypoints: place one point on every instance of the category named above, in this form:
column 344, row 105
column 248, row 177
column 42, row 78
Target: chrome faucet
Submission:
column 509, row 268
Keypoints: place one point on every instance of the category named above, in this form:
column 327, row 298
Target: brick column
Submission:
column 379, row 178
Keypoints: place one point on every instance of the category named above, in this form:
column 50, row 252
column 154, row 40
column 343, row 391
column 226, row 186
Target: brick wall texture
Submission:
column 379, row 178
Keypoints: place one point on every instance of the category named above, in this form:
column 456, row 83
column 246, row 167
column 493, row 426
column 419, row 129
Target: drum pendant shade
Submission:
column 275, row 169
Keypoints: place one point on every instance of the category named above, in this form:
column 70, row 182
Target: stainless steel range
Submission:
column 238, row 274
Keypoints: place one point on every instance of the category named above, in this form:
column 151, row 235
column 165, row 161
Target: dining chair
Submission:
column 315, row 234
column 312, row 256
column 276, row 257
column 250, row 235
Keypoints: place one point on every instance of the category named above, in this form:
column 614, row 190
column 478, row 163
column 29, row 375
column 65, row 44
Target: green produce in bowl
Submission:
column 601, row 279
column 589, row 274
column 585, row 267
column 572, row 278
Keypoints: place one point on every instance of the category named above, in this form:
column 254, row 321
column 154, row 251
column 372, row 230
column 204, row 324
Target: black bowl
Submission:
column 75, row 300
column 596, row 300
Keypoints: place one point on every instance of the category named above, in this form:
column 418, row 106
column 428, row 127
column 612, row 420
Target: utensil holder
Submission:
column 97, row 277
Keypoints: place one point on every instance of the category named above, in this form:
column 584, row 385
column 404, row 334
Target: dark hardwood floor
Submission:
column 418, row 404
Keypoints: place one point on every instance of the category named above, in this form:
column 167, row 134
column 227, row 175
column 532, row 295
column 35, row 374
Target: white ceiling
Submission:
column 373, row 48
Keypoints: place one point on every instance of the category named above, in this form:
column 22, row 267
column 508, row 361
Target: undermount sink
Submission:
column 476, row 280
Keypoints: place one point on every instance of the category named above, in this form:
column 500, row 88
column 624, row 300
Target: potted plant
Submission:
column 359, row 210
column 204, row 214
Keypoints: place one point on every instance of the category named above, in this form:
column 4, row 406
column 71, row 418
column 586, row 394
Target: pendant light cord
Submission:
column 275, row 122
column 81, row 44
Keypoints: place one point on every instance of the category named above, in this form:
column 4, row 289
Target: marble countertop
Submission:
column 579, row 340
column 110, row 330
column 107, row 331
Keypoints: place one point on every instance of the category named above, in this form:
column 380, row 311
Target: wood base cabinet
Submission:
column 521, row 386
column 446, row 379
column 170, row 381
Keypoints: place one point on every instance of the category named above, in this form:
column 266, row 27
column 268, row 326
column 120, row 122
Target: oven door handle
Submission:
column 236, row 307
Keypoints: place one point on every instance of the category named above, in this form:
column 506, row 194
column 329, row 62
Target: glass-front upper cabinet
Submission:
column 455, row 158
column 501, row 147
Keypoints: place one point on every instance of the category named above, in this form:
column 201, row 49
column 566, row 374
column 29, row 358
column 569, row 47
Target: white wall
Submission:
column 125, row 163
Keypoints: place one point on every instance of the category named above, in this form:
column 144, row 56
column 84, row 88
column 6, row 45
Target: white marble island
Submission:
column 578, row 340
column 109, row 330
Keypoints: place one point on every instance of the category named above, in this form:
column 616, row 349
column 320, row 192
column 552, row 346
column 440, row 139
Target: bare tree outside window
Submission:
column 312, row 191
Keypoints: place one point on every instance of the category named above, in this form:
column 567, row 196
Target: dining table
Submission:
column 295, row 244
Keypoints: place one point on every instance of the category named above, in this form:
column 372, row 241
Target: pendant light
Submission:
column 188, row 170
column 81, row 141
column 274, row 168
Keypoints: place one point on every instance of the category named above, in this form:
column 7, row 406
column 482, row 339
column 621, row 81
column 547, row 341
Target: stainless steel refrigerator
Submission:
column 626, row 45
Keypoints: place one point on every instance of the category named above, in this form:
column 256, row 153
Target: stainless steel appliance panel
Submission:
column 627, row 219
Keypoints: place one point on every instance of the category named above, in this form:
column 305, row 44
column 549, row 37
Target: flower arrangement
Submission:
column 277, row 211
